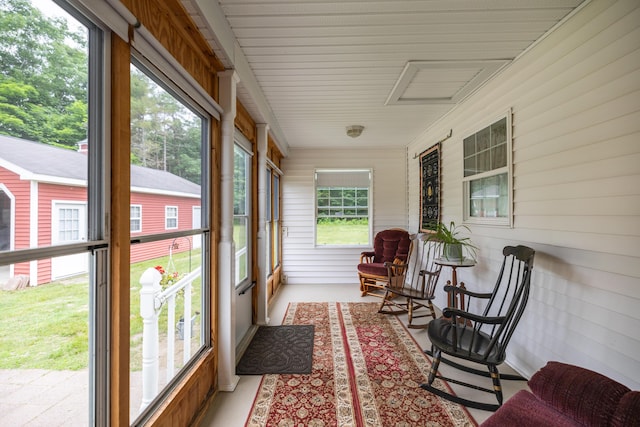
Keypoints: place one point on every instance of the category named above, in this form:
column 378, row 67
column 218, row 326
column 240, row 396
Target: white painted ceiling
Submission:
column 392, row 66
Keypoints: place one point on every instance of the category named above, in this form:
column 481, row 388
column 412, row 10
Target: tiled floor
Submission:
column 230, row 409
column 37, row 397
column 42, row 398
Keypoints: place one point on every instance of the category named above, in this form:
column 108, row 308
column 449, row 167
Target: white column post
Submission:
column 263, row 298
column 227, row 378
column 150, row 282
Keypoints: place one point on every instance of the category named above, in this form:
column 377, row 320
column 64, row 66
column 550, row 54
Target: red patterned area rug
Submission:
column 367, row 371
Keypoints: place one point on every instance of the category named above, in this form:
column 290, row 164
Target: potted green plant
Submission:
column 454, row 245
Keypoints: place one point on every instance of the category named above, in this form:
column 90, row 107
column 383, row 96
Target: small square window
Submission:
column 171, row 217
column 136, row 218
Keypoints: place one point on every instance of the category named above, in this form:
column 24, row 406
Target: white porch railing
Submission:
column 152, row 299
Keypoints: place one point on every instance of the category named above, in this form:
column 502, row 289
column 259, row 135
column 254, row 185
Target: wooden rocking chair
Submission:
column 391, row 245
column 412, row 286
column 482, row 338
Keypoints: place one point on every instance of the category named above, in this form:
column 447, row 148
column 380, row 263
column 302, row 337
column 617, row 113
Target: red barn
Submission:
column 43, row 202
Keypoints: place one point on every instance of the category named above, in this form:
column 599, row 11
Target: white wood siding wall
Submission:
column 576, row 124
column 303, row 263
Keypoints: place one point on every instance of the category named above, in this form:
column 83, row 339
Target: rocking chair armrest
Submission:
column 457, row 289
column 491, row 320
column 429, row 273
column 366, row 257
column 396, row 268
column 396, row 263
column 402, row 258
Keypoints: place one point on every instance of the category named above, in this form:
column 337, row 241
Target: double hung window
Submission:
column 487, row 174
column 272, row 217
column 343, row 200
column 171, row 217
column 241, row 211
column 136, row 218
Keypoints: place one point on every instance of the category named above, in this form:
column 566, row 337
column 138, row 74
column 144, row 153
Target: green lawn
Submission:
column 46, row 326
column 342, row 233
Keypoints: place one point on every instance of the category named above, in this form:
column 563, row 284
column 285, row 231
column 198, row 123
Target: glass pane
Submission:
column 503, row 201
column 45, row 304
column 169, row 273
column 240, row 174
column 470, row 166
column 240, row 237
column 349, row 200
column 483, row 139
column 489, row 197
column 268, row 232
column 166, row 144
column 483, row 162
column 44, row 325
column 499, row 132
column 166, row 174
column 499, row 156
column 276, row 197
column 268, row 196
column 469, row 146
column 338, row 231
column 276, row 244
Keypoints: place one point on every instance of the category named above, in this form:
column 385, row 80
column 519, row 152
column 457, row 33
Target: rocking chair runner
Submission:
column 412, row 285
column 391, row 245
column 482, row 338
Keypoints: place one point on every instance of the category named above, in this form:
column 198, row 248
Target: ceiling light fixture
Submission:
column 354, row 131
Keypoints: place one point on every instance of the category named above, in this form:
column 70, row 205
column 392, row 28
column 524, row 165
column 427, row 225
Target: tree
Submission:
column 43, row 94
column 43, row 76
column 165, row 134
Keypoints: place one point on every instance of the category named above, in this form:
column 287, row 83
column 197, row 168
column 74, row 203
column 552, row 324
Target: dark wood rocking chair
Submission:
column 482, row 338
column 411, row 286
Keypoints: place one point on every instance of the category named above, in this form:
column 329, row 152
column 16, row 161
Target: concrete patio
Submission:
column 38, row 397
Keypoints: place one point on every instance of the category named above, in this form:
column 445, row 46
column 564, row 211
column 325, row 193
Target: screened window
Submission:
column 136, row 218
column 343, row 207
column 241, row 210
column 487, row 174
column 169, row 162
column 275, row 223
column 52, row 237
column 269, row 220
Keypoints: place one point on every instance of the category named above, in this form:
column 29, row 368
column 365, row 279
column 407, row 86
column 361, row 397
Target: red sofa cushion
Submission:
column 373, row 268
column 389, row 244
column 628, row 411
column 524, row 409
column 586, row 396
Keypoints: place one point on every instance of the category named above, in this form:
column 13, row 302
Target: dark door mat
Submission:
column 286, row 349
